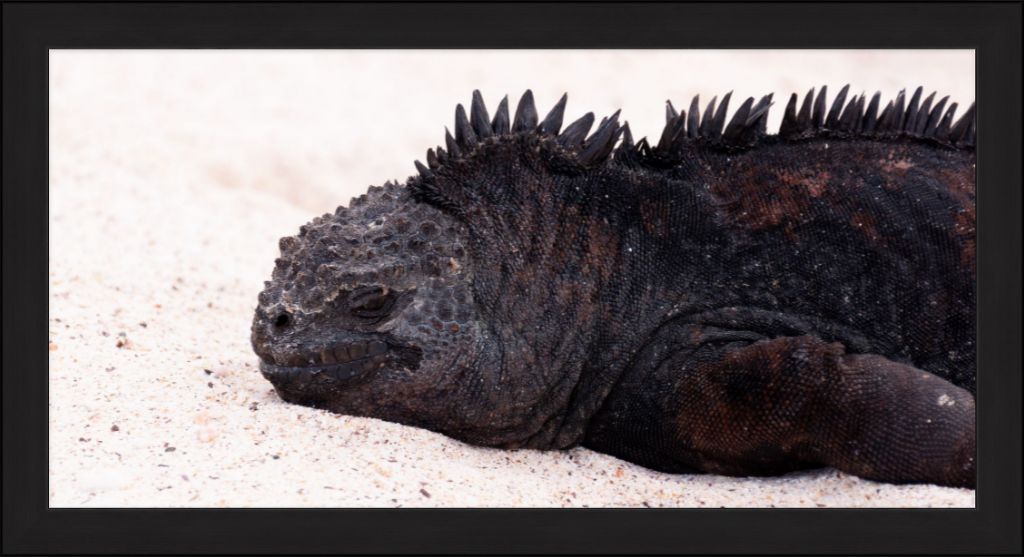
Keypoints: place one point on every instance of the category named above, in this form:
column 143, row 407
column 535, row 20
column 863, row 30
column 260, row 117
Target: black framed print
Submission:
column 511, row 277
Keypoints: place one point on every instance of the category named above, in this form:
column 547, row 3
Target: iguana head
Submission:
column 370, row 310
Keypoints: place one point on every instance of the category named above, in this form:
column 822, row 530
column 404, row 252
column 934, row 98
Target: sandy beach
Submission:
column 172, row 176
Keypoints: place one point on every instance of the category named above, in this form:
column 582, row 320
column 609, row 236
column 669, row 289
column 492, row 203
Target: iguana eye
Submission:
column 372, row 301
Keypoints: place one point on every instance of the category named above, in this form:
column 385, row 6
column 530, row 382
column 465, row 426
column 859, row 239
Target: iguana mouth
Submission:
column 345, row 361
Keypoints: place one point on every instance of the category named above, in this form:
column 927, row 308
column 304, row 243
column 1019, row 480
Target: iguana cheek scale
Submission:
column 725, row 300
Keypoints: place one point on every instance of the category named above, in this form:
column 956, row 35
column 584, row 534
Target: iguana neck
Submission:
column 574, row 285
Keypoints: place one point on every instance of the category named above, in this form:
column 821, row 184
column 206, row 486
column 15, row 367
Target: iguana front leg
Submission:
column 802, row 400
column 740, row 407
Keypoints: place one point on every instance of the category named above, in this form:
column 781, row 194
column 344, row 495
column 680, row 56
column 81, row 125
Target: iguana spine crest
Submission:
column 856, row 118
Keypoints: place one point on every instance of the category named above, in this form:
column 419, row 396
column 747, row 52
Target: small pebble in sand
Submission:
column 115, row 428
column 122, row 341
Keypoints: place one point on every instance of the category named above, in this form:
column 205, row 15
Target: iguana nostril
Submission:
column 282, row 320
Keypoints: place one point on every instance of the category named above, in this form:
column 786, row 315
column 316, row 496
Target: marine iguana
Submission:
column 725, row 300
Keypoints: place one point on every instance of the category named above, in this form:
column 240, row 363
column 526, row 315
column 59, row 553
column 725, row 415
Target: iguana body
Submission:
column 726, row 301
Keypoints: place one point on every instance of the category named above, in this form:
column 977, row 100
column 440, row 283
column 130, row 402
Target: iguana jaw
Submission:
column 349, row 371
column 339, row 363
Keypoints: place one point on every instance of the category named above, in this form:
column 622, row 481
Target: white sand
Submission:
column 173, row 174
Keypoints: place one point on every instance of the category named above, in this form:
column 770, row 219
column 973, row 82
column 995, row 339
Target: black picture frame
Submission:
column 31, row 28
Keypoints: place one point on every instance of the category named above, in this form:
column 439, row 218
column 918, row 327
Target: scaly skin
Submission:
column 727, row 302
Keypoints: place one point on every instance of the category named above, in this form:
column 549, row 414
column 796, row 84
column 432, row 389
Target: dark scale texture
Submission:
column 726, row 301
